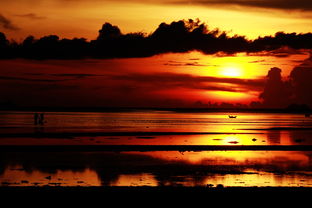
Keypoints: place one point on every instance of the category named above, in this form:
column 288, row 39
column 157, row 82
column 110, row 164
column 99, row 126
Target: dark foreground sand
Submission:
column 145, row 190
column 156, row 196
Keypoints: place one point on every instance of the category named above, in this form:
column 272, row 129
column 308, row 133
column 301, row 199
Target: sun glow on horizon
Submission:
column 232, row 97
column 231, row 71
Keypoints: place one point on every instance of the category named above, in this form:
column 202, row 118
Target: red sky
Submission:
column 189, row 79
column 168, row 80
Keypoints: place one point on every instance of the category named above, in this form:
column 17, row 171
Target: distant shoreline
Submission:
column 134, row 109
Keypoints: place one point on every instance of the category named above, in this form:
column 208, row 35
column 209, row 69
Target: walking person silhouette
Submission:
column 36, row 118
column 41, row 118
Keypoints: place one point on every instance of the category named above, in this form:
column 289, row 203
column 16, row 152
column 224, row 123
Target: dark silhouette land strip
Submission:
column 143, row 148
column 166, row 192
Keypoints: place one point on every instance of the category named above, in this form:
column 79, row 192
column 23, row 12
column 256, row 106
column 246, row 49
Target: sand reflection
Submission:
column 18, row 176
column 165, row 168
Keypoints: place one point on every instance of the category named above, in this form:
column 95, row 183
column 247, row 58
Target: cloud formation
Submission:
column 177, row 37
column 30, row 80
column 167, row 80
column 294, row 91
column 276, row 92
column 304, row 5
column 300, row 78
column 47, row 83
column 32, row 16
column 5, row 23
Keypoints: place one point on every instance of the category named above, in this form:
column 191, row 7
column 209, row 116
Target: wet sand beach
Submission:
column 203, row 153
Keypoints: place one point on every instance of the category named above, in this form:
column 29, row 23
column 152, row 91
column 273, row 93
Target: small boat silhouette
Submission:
column 307, row 115
column 232, row 116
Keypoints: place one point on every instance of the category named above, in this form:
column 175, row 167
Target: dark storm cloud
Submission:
column 177, row 37
column 296, row 90
column 300, row 78
column 7, row 24
column 276, row 92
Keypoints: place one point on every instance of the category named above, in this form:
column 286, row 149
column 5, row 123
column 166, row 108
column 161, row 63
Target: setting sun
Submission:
column 231, row 71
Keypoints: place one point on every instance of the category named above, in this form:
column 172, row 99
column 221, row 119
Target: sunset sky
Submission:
column 173, row 76
column 83, row 18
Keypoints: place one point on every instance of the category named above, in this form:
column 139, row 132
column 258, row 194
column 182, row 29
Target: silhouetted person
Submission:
column 41, row 118
column 36, row 118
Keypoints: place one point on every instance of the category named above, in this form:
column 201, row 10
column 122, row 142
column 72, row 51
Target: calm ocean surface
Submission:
column 163, row 121
column 246, row 128
column 163, row 168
